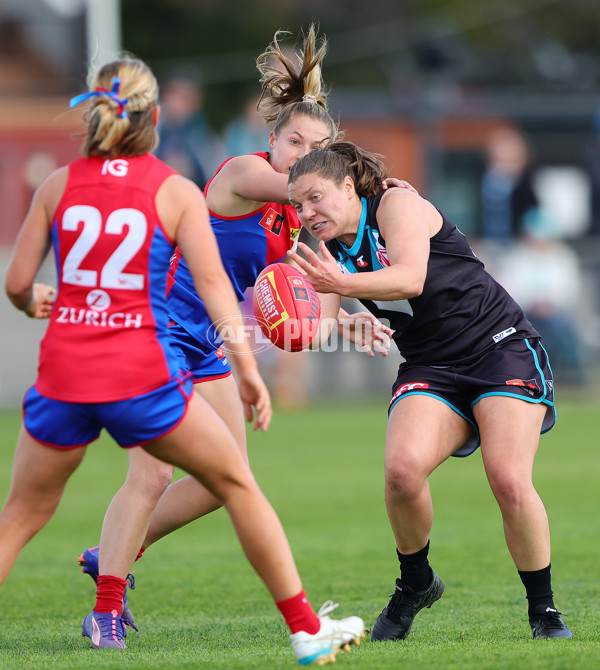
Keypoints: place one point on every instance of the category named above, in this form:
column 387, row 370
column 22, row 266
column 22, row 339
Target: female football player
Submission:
column 253, row 228
column 475, row 370
column 106, row 361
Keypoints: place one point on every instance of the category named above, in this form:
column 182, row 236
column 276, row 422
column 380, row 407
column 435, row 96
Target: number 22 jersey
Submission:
column 109, row 320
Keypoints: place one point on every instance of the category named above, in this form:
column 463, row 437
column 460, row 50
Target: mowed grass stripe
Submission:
column 199, row 604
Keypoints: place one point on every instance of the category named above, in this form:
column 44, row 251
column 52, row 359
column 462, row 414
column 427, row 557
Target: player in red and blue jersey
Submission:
column 253, row 227
column 107, row 360
column 475, row 372
column 124, row 297
column 247, row 242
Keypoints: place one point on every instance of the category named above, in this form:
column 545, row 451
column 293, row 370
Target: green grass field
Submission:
column 198, row 603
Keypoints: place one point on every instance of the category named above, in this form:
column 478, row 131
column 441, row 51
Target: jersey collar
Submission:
column 353, row 250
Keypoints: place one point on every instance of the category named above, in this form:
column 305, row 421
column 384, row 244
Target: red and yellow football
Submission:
column 287, row 307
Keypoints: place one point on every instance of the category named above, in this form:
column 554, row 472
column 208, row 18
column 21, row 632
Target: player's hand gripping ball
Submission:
column 287, row 307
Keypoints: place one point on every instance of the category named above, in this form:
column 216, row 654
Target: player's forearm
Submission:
column 392, row 283
column 21, row 299
column 330, row 308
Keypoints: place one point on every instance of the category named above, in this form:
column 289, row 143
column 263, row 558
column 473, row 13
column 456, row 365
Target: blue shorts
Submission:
column 203, row 362
column 134, row 421
column 516, row 368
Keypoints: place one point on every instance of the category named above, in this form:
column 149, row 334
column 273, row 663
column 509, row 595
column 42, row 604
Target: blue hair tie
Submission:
column 113, row 94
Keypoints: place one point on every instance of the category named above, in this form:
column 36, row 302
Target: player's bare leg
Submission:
column 39, row 477
column 148, row 506
column 510, row 433
column 422, row 433
column 186, row 499
column 128, row 515
column 132, row 509
column 203, row 446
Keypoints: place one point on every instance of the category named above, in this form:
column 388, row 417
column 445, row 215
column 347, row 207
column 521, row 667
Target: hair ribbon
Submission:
column 113, row 94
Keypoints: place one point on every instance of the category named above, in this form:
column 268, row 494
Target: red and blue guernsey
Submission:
column 109, row 321
column 247, row 245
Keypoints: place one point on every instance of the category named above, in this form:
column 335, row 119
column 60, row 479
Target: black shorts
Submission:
column 517, row 368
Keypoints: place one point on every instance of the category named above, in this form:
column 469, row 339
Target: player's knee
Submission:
column 510, row 491
column 152, row 482
column 228, row 487
column 402, row 481
column 31, row 514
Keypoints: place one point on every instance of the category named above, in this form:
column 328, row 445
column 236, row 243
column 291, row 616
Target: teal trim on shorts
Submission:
column 513, row 395
column 452, row 407
column 542, row 399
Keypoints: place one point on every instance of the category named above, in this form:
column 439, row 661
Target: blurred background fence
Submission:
column 489, row 109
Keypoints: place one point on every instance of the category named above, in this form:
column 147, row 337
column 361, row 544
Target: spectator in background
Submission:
column 543, row 275
column 246, row 133
column 592, row 163
column 188, row 143
column 507, row 192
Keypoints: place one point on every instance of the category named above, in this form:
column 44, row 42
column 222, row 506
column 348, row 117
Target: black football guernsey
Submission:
column 462, row 311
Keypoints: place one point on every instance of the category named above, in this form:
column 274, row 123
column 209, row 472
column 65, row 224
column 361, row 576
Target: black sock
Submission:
column 414, row 569
column 538, row 588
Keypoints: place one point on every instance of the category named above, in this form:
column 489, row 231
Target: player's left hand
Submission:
column 256, row 398
column 42, row 299
column 322, row 272
column 399, row 183
column 367, row 332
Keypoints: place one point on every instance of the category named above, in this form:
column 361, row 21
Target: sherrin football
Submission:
column 287, row 307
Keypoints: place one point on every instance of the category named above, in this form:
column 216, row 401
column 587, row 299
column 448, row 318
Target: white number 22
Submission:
column 111, row 275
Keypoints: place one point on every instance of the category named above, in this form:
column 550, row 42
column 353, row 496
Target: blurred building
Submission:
column 42, row 60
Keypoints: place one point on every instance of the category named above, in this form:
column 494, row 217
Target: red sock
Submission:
column 299, row 615
column 109, row 595
column 142, row 550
